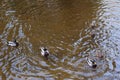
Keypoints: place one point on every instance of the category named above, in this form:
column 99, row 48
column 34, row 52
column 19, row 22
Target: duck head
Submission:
column 94, row 65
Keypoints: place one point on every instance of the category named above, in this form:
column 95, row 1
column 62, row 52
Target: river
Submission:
column 71, row 30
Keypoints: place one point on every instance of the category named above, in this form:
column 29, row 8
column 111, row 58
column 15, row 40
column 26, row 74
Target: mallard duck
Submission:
column 45, row 52
column 99, row 54
column 13, row 43
column 91, row 62
column 93, row 26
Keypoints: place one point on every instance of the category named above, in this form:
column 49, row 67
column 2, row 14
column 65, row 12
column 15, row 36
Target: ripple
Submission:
column 66, row 29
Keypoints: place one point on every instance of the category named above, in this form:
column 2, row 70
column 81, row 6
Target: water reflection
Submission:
column 72, row 30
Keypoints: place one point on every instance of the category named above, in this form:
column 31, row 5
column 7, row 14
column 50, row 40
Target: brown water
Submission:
column 64, row 27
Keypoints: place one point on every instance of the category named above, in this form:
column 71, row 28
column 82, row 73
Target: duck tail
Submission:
column 41, row 48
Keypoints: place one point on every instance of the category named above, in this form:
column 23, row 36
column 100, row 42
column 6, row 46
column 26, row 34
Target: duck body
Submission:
column 92, row 63
column 99, row 55
column 13, row 43
column 45, row 52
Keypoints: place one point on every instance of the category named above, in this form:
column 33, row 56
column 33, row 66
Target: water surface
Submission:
column 72, row 30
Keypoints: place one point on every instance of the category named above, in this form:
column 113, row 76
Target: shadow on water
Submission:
column 71, row 30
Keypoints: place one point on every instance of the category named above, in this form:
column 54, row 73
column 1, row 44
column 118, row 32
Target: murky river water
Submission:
column 70, row 29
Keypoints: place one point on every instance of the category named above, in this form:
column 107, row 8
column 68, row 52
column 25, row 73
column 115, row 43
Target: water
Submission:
column 72, row 30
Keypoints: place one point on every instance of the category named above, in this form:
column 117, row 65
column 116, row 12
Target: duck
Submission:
column 93, row 34
column 45, row 52
column 13, row 43
column 93, row 26
column 99, row 55
column 91, row 62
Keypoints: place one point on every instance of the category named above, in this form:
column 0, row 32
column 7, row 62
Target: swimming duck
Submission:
column 93, row 34
column 13, row 43
column 92, row 63
column 99, row 54
column 45, row 52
